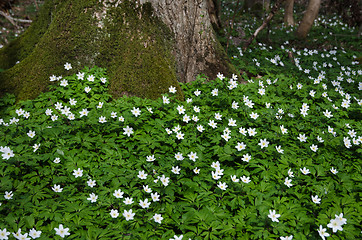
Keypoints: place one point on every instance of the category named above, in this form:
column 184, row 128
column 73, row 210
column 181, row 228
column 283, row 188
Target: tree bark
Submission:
column 308, row 18
column 146, row 46
column 289, row 11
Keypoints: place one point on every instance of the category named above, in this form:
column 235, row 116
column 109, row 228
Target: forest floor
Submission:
column 25, row 10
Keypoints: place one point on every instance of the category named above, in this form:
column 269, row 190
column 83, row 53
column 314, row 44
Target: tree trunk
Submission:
column 146, row 46
column 289, row 11
column 308, row 18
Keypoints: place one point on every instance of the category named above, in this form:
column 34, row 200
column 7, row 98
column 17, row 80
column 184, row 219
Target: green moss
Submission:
column 136, row 50
column 64, row 41
column 139, row 56
column 21, row 47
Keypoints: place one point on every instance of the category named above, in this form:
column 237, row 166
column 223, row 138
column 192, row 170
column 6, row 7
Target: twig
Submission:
column 14, row 20
column 265, row 23
column 36, row 5
column 9, row 18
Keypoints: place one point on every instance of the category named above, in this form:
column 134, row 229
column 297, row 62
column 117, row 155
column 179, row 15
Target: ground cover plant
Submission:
column 276, row 158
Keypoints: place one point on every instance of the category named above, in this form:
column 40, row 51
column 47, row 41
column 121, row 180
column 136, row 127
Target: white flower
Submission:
column 142, row 175
column 335, row 224
column 56, row 160
column 176, row 170
column 67, row 66
column 234, row 178
column 8, row 195
column 179, row 156
column 252, row 132
column 78, row 173
column 180, row 135
column 102, row 119
column 279, row 149
column 144, row 203
column 172, row 89
column 180, row 109
column 91, row 183
column 340, row 219
column 61, row 231
column 220, row 76
column 197, row 92
column 290, row 173
column 103, row 80
column 196, row 170
column 48, row 112
column 176, row 237
column 84, row 112
column 288, row 182
column 150, row 158
column 32, row 233
column 222, row 186
column 254, row 115
column 245, row 179
column 240, row 146
column 273, row 216
column 261, row 91
column 323, row 232
column 305, row 171
column 87, row 89
column 90, row 78
column 212, row 124
column 155, row 197
column 128, row 201
column 114, row 213
column 215, row 92
column 100, row 105
column 283, row 129
column 129, row 215
column 80, row 75
column 118, row 193
column 263, row 143
column 128, row 131
column 200, row 128
column 7, row 153
column 218, row 116
column 157, row 218
column 302, row 138
column 136, row 111
column 165, row 100
column 57, row 188
column 147, row 189
column 316, row 200
column 63, row 83
column 246, row 158
column 287, row 237
column 235, row 105
column 92, row 197
column 314, row 148
column 53, row 78
column 193, row 156
column 36, row 147
column 333, row 170
column 164, row 180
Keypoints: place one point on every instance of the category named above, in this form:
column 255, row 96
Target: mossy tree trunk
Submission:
column 308, row 18
column 289, row 12
column 146, row 46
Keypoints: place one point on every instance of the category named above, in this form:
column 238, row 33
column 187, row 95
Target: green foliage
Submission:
column 111, row 141
column 136, row 50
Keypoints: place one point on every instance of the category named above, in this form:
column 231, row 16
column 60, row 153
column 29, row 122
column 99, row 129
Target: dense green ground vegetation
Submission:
column 274, row 153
